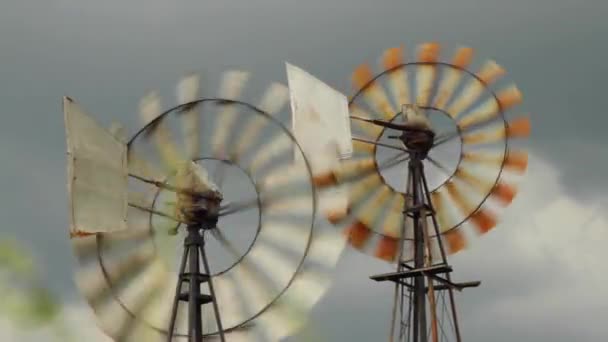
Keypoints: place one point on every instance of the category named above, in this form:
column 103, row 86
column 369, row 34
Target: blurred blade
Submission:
column 426, row 73
column 255, row 292
column 232, row 309
column 138, row 295
column 394, row 220
column 501, row 191
column 371, row 210
column 371, row 131
column 509, row 97
column 351, row 169
column 518, row 128
column 188, row 90
column 387, row 249
column 93, row 283
column 231, row 87
column 482, row 218
column 455, row 240
column 291, row 236
column 285, row 179
column 489, row 73
column 491, row 108
column 513, row 161
column 290, row 312
column 140, row 167
column 273, row 100
column 149, row 110
column 392, row 59
column 278, row 145
column 296, row 205
column 360, row 189
column 450, row 80
column 277, row 266
column 357, row 234
column 373, row 94
column 444, row 219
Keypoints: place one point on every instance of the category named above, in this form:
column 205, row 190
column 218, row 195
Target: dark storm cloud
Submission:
column 105, row 54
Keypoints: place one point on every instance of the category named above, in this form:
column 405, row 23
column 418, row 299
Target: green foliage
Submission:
column 23, row 300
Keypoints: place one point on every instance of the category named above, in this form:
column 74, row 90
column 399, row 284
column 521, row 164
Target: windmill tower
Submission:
column 141, row 208
column 437, row 117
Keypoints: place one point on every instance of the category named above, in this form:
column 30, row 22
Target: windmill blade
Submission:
column 502, row 191
column 428, row 54
column 491, row 108
column 450, row 80
column 94, row 284
column 392, row 59
column 289, row 313
column 373, row 94
column 149, row 110
column 138, row 297
column 188, row 90
column 387, row 249
column 273, row 100
column 369, row 212
column 394, row 219
column 489, row 73
column 276, row 146
column 231, row 87
column 370, row 130
column 349, row 169
column 358, row 191
column 140, row 167
column 516, row 161
column 483, row 219
column 517, row 128
column 232, row 308
column 285, row 181
column 256, row 291
column 357, row 235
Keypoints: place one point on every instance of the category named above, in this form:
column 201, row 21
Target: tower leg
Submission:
column 195, row 326
column 443, row 257
column 216, row 309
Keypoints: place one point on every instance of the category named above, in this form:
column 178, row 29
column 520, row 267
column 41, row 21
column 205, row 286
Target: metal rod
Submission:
column 216, row 310
column 419, row 281
column 195, row 326
column 428, row 263
column 178, row 290
column 380, row 144
column 444, row 257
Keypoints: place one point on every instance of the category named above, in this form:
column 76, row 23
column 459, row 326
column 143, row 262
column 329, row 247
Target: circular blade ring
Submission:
column 477, row 117
column 296, row 267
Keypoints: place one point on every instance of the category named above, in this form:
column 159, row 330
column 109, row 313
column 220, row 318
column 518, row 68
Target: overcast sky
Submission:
column 543, row 279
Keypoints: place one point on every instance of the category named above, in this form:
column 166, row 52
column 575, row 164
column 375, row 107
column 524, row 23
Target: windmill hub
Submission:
column 418, row 135
column 199, row 206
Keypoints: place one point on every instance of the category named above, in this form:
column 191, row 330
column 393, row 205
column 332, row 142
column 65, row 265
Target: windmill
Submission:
column 164, row 198
column 454, row 131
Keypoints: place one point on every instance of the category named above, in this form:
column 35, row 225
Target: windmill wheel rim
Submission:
column 300, row 263
column 501, row 114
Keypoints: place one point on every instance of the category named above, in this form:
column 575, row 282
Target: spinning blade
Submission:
column 271, row 286
column 480, row 118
